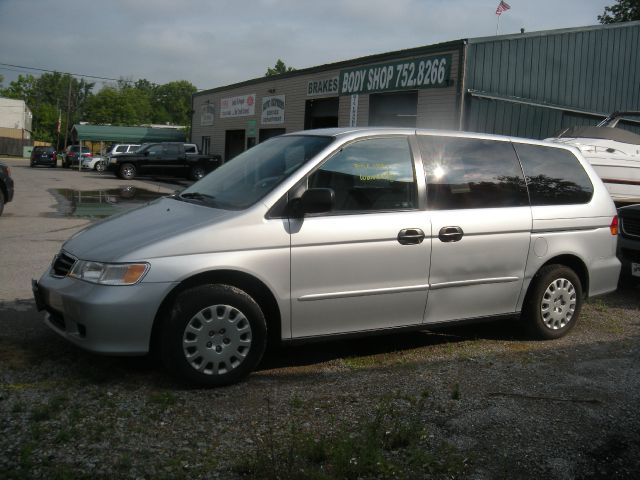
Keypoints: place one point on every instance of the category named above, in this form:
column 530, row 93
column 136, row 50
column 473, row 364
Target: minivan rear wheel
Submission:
column 554, row 301
column 215, row 335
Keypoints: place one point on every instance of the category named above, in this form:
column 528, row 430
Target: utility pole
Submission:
column 66, row 129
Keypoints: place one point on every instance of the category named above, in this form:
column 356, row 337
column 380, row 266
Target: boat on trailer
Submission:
column 613, row 152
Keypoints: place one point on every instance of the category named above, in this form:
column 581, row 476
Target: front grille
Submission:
column 631, row 227
column 63, row 264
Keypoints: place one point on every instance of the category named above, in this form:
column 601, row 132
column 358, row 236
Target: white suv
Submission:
column 120, row 148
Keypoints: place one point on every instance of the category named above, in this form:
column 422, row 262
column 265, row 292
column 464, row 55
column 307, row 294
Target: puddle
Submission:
column 101, row 203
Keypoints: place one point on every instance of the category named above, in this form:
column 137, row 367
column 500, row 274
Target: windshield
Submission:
column 247, row 178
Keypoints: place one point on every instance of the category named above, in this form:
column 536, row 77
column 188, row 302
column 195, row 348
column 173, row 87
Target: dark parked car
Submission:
column 629, row 243
column 44, row 156
column 70, row 155
column 6, row 186
column 166, row 158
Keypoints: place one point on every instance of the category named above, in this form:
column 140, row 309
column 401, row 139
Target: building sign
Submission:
column 425, row 72
column 326, row 86
column 272, row 110
column 353, row 111
column 207, row 114
column 241, row 106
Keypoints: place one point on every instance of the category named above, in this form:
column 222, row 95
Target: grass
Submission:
column 163, row 400
column 390, row 443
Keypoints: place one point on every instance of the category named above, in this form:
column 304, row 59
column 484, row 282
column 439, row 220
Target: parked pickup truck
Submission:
column 167, row 158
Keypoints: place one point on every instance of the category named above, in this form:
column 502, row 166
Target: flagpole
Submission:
column 498, row 25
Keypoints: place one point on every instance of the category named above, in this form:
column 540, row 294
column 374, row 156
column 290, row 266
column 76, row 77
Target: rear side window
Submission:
column 554, row 175
column 471, row 173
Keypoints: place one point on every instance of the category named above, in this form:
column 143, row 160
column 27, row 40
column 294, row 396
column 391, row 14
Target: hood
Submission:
column 132, row 235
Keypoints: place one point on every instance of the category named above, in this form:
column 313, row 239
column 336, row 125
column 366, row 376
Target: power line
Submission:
column 64, row 73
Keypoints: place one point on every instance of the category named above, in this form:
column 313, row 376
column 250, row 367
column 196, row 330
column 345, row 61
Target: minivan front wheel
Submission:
column 554, row 301
column 215, row 335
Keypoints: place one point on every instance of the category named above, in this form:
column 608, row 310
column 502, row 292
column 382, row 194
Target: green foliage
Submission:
column 278, row 69
column 56, row 95
column 622, row 11
column 390, row 444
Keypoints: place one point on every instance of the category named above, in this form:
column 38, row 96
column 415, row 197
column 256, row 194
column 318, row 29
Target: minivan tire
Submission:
column 215, row 335
column 552, row 306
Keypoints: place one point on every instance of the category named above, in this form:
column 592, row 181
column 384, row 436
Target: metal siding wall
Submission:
column 595, row 70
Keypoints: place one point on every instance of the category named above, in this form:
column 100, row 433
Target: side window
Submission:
column 190, row 149
column 121, row 149
column 369, row 175
column 154, row 149
column 471, row 173
column 172, row 150
column 554, row 175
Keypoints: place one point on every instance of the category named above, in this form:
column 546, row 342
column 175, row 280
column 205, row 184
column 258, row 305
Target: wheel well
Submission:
column 251, row 285
column 575, row 264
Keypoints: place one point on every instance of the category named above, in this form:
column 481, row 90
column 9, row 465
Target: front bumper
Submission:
column 114, row 320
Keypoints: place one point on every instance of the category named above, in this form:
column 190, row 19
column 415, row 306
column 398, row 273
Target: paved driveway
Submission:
column 40, row 218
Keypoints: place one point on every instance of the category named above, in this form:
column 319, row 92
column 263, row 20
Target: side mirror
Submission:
column 314, row 200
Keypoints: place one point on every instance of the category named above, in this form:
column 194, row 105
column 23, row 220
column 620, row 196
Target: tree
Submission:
column 278, row 69
column 622, row 11
column 49, row 96
column 172, row 102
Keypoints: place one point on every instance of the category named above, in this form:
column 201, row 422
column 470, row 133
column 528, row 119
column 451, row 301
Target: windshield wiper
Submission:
column 201, row 197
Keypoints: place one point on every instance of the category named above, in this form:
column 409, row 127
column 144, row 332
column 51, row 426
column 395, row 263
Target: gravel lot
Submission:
column 476, row 402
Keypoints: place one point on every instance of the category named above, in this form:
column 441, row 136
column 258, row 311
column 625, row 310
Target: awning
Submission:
column 108, row 133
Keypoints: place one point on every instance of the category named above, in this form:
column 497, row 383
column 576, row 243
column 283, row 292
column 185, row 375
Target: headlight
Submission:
column 109, row 273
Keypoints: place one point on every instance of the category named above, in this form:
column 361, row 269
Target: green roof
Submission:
column 108, row 133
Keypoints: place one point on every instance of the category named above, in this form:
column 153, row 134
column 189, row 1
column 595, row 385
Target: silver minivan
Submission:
column 335, row 232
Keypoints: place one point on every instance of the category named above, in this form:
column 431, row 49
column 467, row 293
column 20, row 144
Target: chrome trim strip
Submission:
column 565, row 229
column 479, row 281
column 363, row 293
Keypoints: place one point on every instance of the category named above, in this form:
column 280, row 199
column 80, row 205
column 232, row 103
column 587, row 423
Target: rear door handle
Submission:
column 450, row 234
column 410, row 236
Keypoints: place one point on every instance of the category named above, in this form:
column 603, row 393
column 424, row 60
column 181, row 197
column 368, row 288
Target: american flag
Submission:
column 502, row 7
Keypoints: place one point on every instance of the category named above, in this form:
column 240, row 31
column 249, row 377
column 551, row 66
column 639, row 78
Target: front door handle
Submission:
column 450, row 234
column 410, row 236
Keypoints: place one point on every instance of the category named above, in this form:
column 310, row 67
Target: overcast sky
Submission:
column 212, row 43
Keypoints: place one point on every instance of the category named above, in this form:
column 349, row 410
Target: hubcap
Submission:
column 558, row 304
column 217, row 339
column 127, row 172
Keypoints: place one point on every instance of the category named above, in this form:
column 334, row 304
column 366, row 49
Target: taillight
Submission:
column 614, row 226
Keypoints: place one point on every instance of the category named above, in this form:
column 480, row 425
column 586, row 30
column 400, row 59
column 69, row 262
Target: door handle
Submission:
column 410, row 236
column 450, row 234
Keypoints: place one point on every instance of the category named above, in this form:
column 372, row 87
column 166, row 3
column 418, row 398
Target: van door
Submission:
column 364, row 265
column 481, row 221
